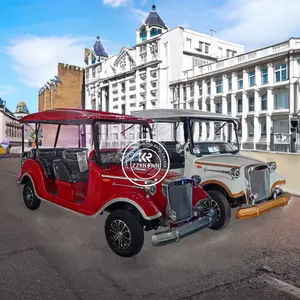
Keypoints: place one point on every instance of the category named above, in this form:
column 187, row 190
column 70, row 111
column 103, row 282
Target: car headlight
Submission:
column 235, row 172
column 196, row 179
column 272, row 166
column 150, row 189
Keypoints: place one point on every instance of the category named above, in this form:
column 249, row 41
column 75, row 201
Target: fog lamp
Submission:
column 272, row 166
column 150, row 189
column 196, row 179
column 235, row 173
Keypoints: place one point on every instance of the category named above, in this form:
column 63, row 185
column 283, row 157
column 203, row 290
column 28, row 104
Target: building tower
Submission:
column 151, row 27
column 96, row 54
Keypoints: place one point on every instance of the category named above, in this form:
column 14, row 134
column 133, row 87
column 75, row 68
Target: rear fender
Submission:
column 33, row 171
column 146, row 207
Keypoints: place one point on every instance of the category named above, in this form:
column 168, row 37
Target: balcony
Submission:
column 244, row 58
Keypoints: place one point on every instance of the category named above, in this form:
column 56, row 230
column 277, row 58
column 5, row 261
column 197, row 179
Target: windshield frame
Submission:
column 96, row 137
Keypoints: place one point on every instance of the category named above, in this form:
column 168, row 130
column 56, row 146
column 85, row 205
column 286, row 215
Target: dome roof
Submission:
column 154, row 19
column 99, row 49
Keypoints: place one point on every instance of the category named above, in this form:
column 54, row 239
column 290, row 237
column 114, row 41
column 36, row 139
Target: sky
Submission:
column 36, row 35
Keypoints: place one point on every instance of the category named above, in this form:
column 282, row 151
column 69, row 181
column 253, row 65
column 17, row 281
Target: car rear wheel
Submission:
column 31, row 201
column 219, row 204
column 124, row 233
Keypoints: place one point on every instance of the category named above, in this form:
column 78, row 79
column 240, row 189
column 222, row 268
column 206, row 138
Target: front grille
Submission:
column 179, row 194
column 259, row 180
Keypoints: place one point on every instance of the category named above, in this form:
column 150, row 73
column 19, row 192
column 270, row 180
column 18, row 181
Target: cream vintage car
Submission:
column 248, row 184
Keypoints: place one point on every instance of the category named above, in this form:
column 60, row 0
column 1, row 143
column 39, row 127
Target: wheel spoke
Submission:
column 120, row 234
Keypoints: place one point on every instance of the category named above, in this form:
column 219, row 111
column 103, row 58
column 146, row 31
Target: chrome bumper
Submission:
column 175, row 234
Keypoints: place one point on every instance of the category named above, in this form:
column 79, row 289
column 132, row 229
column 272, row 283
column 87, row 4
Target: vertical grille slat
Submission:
column 260, row 182
column 180, row 198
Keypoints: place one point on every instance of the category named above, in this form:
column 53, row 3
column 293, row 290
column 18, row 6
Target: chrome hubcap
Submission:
column 210, row 206
column 120, row 234
column 29, row 195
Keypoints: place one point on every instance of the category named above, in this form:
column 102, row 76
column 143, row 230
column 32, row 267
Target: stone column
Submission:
column 257, row 76
column 269, row 122
column 292, row 99
column 225, row 84
column 224, row 130
column 244, row 116
column 270, row 73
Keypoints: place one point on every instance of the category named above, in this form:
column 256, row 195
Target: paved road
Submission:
column 54, row 254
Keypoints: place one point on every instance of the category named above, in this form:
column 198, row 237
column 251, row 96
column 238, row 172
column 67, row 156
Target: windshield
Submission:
column 208, row 148
column 114, row 138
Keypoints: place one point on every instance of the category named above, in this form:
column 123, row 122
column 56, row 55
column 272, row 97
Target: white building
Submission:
column 182, row 68
column 260, row 87
column 139, row 77
column 10, row 129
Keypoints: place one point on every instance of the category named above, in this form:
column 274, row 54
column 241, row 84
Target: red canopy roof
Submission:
column 74, row 116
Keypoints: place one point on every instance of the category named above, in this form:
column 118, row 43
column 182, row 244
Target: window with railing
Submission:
column 250, row 128
column 219, row 86
column 240, row 80
column 219, row 108
column 264, row 102
column 200, row 87
column 251, row 78
column 281, row 100
column 208, row 88
column 280, row 73
column 208, row 106
column 263, row 128
column 264, row 76
column 251, row 104
column 229, row 83
column 192, row 90
column 184, row 93
column 240, row 106
column 229, row 107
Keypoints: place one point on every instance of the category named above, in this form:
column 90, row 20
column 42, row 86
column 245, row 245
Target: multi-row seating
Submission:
column 69, row 168
column 68, row 157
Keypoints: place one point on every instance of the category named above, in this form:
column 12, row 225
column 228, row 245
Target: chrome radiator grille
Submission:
column 179, row 194
column 259, row 179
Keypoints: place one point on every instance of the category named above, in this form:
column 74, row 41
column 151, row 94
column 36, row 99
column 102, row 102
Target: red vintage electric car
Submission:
column 91, row 181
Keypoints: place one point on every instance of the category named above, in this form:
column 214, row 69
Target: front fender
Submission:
column 146, row 207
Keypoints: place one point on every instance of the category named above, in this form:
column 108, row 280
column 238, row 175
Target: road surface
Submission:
column 54, row 254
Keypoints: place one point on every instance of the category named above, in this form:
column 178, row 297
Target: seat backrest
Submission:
column 45, row 153
column 61, row 170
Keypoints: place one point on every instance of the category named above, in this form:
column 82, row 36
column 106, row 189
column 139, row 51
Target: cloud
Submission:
column 257, row 23
column 35, row 59
column 115, row 3
column 7, row 89
column 142, row 15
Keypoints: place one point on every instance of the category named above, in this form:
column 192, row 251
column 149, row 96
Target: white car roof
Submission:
column 178, row 115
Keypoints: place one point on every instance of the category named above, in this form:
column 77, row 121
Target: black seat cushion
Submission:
column 68, row 170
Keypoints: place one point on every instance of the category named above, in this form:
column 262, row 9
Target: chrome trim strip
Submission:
column 125, row 178
column 102, row 208
column 126, row 185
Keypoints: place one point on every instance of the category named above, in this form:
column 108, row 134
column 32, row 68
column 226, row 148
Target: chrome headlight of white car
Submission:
column 235, row 173
column 272, row 166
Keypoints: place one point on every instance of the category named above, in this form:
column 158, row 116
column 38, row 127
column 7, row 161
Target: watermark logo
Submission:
column 145, row 162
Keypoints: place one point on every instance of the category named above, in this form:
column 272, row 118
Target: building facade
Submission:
column 10, row 129
column 139, row 77
column 261, row 88
column 65, row 90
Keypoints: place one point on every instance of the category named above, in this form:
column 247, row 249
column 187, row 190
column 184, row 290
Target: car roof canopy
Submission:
column 173, row 115
column 73, row 116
